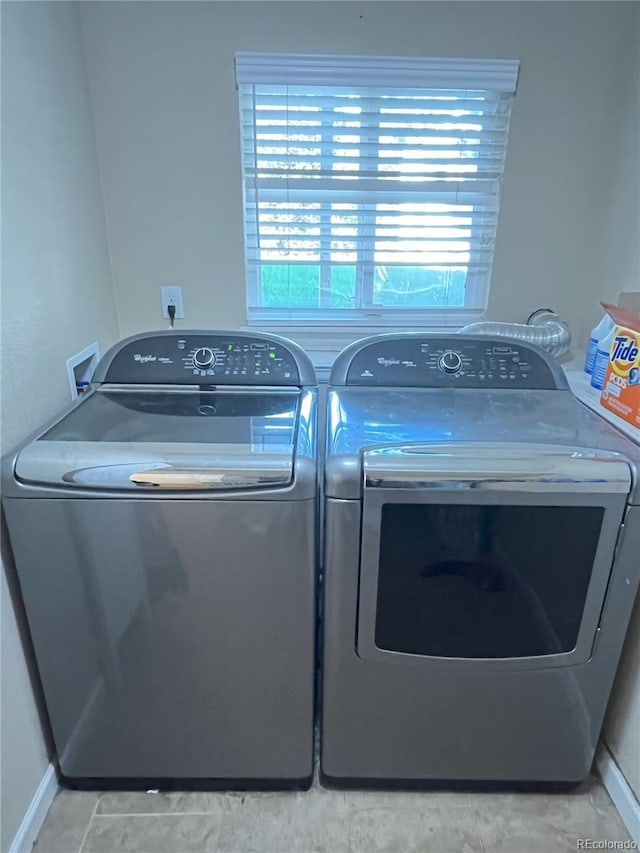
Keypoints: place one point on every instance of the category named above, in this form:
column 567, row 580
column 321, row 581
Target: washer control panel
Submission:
column 454, row 361
column 203, row 359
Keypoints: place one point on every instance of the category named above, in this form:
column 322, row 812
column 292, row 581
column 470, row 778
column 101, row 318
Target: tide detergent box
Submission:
column 621, row 389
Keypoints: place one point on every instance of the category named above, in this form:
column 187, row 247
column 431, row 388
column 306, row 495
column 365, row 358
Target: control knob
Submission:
column 450, row 362
column 204, row 358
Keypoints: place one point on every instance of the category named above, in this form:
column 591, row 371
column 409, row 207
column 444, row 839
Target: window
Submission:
column 371, row 186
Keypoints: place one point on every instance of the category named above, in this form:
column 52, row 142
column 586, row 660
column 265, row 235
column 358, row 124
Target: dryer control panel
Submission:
column 205, row 358
column 452, row 361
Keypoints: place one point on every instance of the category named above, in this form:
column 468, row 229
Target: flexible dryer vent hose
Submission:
column 543, row 328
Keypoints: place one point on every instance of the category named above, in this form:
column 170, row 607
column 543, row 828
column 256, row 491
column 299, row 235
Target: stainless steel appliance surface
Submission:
column 481, row 540
column 164, row 535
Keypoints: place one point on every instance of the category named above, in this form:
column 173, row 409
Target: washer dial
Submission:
column 204, row 358
column 450, row 362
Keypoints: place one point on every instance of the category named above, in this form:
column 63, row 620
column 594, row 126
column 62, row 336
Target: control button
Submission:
column 204, row 357
column 450, row 362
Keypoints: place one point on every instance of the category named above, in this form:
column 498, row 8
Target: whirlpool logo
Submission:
column 143, row 359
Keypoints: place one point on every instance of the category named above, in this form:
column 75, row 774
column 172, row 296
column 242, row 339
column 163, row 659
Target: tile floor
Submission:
column 322, row 821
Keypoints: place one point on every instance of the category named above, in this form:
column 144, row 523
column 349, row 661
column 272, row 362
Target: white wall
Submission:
column 620, row 270
column 162, row 79
column 619, row 208
column 56, row 293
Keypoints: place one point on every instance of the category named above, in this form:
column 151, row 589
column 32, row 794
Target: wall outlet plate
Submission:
column 172, row 295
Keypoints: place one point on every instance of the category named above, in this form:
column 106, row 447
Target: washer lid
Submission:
column 168, row 439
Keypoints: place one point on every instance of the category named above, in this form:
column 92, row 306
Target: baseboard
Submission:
column 36, row 813
column 620, row 792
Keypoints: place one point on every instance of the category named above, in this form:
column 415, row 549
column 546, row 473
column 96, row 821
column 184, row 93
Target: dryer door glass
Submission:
column 478, row 581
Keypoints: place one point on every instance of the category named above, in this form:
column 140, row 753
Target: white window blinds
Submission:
column 371, row 184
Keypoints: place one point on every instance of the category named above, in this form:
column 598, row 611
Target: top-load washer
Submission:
column 482, row 532
column 164, row 535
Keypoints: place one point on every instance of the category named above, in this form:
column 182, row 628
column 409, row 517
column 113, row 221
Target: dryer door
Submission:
column 485, row 554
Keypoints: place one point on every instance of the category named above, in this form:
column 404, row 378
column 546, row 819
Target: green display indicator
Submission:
column 272, row 355
column 229, row 347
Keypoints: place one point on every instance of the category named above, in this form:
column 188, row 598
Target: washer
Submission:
column 164, row 535
column 481, row 537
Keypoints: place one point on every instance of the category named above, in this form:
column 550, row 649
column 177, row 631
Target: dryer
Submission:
column 481, row 533
column 164, row 535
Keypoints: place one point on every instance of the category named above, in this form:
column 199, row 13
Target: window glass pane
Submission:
column 425, row 287
column 474, row 581
column 343, row 287
column 290, row 285
column 299, row 285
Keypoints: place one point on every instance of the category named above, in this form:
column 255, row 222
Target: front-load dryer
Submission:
column 164, row 535
column 481, row 540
